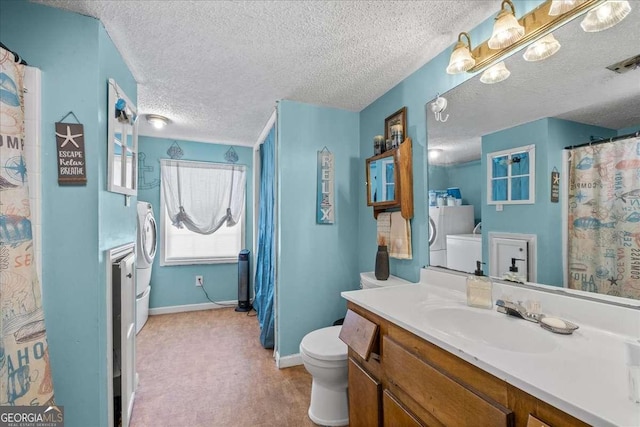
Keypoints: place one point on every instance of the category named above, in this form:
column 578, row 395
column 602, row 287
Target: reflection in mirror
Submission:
column 381, row 179
column 123, row 145
column 568, row 99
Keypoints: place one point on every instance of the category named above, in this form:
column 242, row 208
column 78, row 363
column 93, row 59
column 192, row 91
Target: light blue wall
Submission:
column 315, row 262
column 413, row 92
column 116, row 221
column 466, row 176
column 543, row 218
column 438, row 177
column 174, row 285
column 628, row 130
column 74, row 55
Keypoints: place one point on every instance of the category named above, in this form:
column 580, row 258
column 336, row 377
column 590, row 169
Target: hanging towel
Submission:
column 400, row 243
column 384, row 228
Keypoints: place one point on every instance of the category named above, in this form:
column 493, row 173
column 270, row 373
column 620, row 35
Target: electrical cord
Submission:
column 207, row 295
column 225, row 304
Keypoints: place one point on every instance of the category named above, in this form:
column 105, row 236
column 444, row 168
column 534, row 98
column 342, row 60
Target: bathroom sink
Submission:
column 491, row 329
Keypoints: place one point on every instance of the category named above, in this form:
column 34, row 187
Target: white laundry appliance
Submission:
column 443, row 221
column 146, row 252
column 463, row 251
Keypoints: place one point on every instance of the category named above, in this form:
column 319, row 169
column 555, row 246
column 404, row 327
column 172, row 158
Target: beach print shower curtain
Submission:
column 25, row 378
column 604, row 218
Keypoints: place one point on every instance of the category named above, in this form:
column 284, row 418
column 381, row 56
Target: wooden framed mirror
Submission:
column 382, row 179
column 390, row 180
column 122, row 142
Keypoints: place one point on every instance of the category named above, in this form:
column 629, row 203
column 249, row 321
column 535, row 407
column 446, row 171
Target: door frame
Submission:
column 112, row 255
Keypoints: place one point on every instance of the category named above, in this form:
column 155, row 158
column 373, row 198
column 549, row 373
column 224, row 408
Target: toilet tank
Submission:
column 368, row 281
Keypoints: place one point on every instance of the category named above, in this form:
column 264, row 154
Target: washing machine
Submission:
column 443, row 221
column 145, row 252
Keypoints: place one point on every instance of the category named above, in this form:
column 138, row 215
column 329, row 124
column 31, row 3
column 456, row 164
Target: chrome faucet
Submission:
column 517, row 310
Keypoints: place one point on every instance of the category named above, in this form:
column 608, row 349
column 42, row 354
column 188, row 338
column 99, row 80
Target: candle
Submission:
column 378, row 144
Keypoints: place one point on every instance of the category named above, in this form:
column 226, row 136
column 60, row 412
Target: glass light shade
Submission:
column 506, row 30
column 157, row 121
column 605, row 16
column 542, row 49
column 495, row 74
column 558, row 7
column 434, row 153
column 461, row 59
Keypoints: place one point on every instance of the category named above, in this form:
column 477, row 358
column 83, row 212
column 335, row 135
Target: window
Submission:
column 208, row 200
column 511, row 176
column 388, row 176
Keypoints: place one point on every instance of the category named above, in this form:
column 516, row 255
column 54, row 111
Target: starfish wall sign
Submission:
column 71, row 156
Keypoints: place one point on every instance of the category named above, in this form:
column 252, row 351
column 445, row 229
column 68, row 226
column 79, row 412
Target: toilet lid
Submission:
column 324, row 344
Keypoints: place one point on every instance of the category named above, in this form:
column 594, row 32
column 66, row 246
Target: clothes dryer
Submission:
column 443, row 221
column 147, row 243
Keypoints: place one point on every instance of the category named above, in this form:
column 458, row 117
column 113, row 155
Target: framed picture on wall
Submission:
column 397, row 118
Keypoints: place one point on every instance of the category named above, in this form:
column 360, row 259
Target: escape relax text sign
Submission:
column 324, row 200
column 71, row 158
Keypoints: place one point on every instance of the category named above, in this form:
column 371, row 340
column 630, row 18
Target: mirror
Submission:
column 123, row 142
column 571, row 89
column 382, row 179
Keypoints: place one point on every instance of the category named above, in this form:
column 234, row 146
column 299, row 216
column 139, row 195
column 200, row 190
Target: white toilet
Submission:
column 325, row 357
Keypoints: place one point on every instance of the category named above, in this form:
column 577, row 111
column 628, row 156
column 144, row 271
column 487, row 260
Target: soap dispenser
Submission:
column 513, row 275
column 479, row 289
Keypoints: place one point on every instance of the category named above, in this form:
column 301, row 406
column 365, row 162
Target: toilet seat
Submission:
column 324, row 344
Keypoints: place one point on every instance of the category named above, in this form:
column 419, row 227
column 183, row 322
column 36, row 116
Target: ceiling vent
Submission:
column 625, row 65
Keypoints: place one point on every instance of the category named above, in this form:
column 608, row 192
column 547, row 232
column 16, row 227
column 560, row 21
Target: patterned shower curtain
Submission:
column 25, row 377
column 604, row 218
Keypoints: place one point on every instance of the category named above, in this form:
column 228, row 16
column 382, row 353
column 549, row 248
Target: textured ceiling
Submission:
column 574, row 84
column 217, row 68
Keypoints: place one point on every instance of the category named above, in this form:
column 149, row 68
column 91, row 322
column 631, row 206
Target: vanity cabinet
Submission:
column 407, row 381
column 364, row 392
column 390, row 180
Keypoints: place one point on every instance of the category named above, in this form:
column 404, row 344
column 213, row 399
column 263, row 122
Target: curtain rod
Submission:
column 16, row 57
column 203, row 163
column 603, row 141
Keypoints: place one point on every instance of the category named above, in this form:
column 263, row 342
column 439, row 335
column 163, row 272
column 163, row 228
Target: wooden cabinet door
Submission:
column 445, row 398
column 364, row 397
column 395, row 414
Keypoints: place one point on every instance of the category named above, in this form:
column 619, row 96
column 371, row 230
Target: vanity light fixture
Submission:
column 558, row 7
column 495, row 74
column 506, row 30
column 605, row 16
column 542, row 49
column 511, row 34
column 157, row 121
column 461, row 59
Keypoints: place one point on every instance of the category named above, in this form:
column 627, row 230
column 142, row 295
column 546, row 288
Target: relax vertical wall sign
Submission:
column 325, row 208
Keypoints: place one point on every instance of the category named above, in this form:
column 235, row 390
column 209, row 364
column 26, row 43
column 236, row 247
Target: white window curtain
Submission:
column 203, row 196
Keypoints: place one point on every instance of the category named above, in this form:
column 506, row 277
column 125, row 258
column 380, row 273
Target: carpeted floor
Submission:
column 207, row 368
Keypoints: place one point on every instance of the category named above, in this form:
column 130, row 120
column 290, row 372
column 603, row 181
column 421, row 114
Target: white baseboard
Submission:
column 288, row 361
column 191, row 307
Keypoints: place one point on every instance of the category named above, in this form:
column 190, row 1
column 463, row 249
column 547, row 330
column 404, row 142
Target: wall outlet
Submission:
column 199, row 281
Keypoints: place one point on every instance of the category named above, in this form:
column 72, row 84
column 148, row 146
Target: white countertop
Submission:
column 583, row 374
